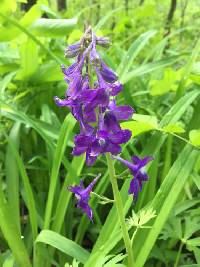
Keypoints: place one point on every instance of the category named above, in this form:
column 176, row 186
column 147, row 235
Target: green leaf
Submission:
column 142, row 123
column 29, row 64
column 166, row 84
column 11, row 32
column 193, row 242
column 63, row 244
column 11, row 233
column 194, row 136
column 150, row 67
column 173, row 128
column 12, row 174
column 28, row 190
column 9, row 262
column 46, row 130
column 166, row 198
column 49, row 72
column 196, row 179
column 8, row 6
column 133, row 51
column 4, row 83
column 197, row 254
column 103, row 20
column 31, row 15
column 53, row 27
column 65, row 131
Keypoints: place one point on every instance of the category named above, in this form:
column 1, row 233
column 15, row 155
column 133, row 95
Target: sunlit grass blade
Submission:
column 11, row 233
column 28, row 190
column 187, row 70
column 46, row 130
column 63, row 244
column 104, row 19
column 149, row 67
column 133, row 51
column 12, row 175
column 66, row 128
column 164, row 202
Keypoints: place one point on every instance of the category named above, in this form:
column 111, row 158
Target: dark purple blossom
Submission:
column 83, row 195
column 99, row 143
column 137, row 168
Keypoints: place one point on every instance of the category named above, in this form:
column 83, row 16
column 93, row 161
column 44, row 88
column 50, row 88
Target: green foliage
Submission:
column 160, row 71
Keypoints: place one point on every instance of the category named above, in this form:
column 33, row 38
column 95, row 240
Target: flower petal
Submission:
column 142, row 162
column 111, row 123
column 112, row 148
column 86, row 208
column 120, row 137
column 134, row 188
column 62, row 102
column 107, row 73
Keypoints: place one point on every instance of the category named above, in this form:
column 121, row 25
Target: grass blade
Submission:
column 165, row 200
column 29, row 194
column 149, row 67
column 66, row 128
column 133, row 51
column 10, row 231
column 12, row 174
column 65, row 245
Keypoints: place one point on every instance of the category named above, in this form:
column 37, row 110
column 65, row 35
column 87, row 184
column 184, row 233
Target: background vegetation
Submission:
column 155, row 51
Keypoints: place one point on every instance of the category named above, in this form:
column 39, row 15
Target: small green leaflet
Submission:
column 194, row 136
column 146, row 123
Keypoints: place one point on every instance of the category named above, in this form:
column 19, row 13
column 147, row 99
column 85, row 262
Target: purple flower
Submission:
column 103, row 41
column 107, row 74
column 99, row 143
column 73, row 50
column 83, row 195
column 94, row 98
column 113, row 88
column 94, row 56
column 136, row 167
column 120, row 112
column 92, row 87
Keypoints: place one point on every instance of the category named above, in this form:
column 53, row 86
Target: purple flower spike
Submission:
column 139, row 174
column 90, row 96
column 83, row 195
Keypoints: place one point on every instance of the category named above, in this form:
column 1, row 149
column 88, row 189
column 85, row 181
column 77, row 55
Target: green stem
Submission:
column 167, row 162
column 133, row 236
column 120, row 210
column 178, row 255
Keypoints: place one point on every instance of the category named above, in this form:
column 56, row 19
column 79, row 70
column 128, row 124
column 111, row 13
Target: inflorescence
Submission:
column 92, row 88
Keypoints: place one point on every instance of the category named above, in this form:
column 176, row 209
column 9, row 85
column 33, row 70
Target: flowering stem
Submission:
column 120, row 211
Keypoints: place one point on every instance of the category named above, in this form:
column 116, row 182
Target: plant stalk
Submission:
column 120, row 210
column 179, row 254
